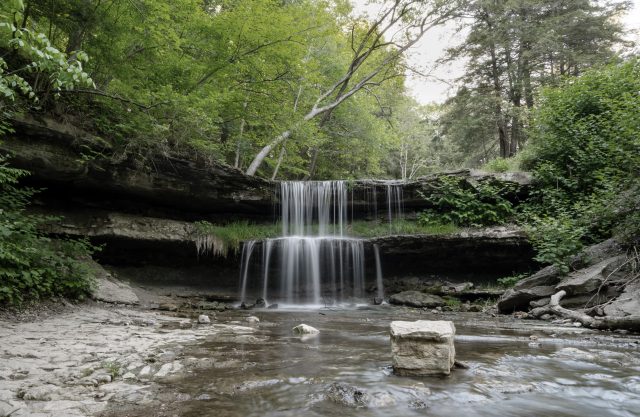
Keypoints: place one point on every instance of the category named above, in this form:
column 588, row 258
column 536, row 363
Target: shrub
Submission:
column 585, row 157
column 497, row 165
column 457, row 201
column 33, row 266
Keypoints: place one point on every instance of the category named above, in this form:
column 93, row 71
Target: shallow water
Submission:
column 271, row 372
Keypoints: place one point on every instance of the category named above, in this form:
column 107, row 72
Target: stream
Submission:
column 515, row 368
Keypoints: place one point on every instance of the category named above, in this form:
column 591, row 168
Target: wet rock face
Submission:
column 484, row 253
column 422, row 347
column 416, row 299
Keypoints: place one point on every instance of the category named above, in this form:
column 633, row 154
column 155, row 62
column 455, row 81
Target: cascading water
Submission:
column 315, row 261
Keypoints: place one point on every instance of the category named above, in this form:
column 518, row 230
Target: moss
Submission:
column 222, row 239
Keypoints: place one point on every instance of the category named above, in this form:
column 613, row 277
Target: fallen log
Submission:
column 631, row 323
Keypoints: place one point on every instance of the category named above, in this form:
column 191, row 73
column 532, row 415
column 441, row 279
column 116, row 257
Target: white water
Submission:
column 314, row 262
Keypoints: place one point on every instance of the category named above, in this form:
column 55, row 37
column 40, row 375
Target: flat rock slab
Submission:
column 422, row 347
column 416, row 299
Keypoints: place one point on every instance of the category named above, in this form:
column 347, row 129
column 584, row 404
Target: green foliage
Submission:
column 555, row 239
column 29, row 53
column 220, row 239
column 113, row 368
column 452, row 302
column 459, row 202
column 510, row 281
column 33, row 266
column 585, row 157
column 500, row 165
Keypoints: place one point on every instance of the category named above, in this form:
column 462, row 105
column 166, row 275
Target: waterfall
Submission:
column 379, row 284
column 315, row 260
column 395, row 209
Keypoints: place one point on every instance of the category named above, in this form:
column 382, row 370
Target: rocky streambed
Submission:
column 95, row 359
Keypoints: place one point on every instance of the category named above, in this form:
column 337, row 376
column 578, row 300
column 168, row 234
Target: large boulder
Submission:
column 519, row 299
column 627, row 304
column 544, row 283
column 108, row 289
column 416, row 299
column 588, row 280
column 422, row 347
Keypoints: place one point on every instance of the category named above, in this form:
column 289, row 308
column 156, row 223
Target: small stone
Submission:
column 377, row 301
column 168, row 307
column 42, row 393
column 576, row 324
column 260, row 303
column 475, row 308
column 168, row 368
column 204, row 319
column 102, row 378
column 460, row 365
column 253, row 320
column 128, row 375
column 167, row 356
column 146, row 371
column 305, row 329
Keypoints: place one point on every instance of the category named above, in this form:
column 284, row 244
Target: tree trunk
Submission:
column 240, row 135
column 631, row 323
column 260, row 157
column 280, row 158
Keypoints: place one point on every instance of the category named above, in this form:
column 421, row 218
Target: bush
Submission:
column 458, row 202
column 510, row 281
column 585, row 157
column 33, row 266
column 497, row 165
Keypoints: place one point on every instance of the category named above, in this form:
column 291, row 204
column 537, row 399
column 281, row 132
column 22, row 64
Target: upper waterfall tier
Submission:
column 305, row 203
column 324, row 208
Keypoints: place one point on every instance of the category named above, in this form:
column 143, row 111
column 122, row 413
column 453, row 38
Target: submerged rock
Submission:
column 422, row 347
column 416, row 299
column 305, row 329
column 347, row 395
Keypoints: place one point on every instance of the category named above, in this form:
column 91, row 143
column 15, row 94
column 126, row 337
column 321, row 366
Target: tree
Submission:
column 515, row 46
column 374, row 59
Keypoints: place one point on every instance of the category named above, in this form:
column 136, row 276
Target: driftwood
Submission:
column 631, row 323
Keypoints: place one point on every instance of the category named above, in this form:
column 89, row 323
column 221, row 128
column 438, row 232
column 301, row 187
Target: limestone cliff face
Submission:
column 78, row 169
column 143, row 213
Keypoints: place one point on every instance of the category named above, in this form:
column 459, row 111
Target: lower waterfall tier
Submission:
column 301, row 269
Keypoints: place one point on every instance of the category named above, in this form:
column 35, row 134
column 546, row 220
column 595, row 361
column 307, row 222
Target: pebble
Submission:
column 305, row 329
column 253, row 319
column 204, row 319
